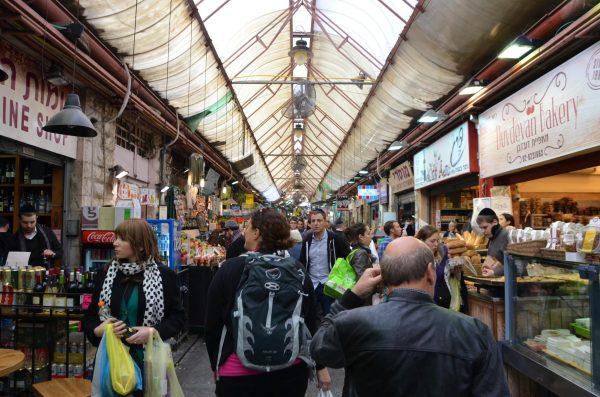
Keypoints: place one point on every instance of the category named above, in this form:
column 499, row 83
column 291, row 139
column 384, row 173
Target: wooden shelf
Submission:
column 36, row 185
column 7, row 185
column 457, row 209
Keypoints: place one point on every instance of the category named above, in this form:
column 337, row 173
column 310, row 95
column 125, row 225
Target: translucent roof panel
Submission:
column 350, row 43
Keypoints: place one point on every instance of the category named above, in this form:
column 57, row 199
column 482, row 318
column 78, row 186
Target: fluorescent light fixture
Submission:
column 164, row 189
column 186, row 170
column 519, row 47
column 363, row 172
column 432, row 116
column 235, row 182
column 397, row 145
column 472, row 87
column 119, row 171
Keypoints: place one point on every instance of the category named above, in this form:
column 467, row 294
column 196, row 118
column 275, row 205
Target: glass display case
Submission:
column 552, row 324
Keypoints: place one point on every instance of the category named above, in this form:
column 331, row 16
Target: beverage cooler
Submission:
column 97, row 248
column 168, row 234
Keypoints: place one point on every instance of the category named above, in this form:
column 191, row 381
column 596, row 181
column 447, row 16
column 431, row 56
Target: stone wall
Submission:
column 91, row 181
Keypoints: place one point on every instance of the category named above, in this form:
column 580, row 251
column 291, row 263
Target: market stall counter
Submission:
column 552, row 325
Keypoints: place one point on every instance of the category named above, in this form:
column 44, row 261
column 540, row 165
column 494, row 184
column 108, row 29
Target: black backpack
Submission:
column 268, row 327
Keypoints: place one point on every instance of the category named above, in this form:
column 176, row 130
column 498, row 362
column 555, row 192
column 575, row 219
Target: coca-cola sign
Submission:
column 98, row 237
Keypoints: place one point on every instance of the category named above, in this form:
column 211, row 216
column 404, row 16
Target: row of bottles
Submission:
column 41, row 288
column 41, row 202
column 7, row 173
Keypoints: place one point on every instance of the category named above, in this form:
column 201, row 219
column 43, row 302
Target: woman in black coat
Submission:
column 142, row 295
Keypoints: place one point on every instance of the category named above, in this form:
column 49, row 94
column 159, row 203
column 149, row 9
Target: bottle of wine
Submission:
column 2, row 174
column 2, row 200
column 26, row 177
column 49, row 291
column 38, row 290
column 61, row 293
column 80, row 288
column 71, row 289
column 11, row 203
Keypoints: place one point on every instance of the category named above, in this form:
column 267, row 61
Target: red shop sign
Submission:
column 98, row 237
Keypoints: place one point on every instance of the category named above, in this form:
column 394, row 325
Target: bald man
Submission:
column 408, row 346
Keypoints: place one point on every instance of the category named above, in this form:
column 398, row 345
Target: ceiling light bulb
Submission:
column 396, row 145
column 515, row 50
column 363, row 172
column 235, row 182
column 224, row 189
column 202, row 182
column 431, row 116
column 164, row 189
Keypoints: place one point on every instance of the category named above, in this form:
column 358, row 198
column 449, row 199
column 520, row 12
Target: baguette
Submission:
column 476, row 260
column 457, row 251
column 469, row 252
column 455, row 243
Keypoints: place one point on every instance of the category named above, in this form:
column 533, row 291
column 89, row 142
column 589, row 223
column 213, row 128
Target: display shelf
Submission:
column 29, row 185
column 553, row 262
column 7, row 185
column 457, row 209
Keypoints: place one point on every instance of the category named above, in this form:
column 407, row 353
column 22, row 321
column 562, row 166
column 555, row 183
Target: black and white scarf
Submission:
column 152, row 287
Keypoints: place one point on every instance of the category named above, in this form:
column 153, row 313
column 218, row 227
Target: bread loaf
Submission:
column 457, row 251
column 469, row 253
column 476, row 260
column 455, row 243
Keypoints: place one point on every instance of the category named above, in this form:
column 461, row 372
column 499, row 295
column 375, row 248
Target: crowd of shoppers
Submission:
column 370, row 340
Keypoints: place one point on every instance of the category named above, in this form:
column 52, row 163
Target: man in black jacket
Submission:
column 408, row 346
column 320, row 250
column 39, row 240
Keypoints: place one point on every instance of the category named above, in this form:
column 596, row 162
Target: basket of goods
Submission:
column 527, row 248
column 588, row 241
column 554, row 254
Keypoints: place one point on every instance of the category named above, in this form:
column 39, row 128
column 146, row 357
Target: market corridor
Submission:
column 195, row 375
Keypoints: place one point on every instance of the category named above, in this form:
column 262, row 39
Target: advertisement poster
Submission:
column 343, row 203
column 452, row 155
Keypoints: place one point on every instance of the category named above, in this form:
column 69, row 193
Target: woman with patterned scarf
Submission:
column 141, row 293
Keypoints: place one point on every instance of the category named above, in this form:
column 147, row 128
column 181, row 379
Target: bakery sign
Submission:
column 27, row 101
column 554, row 117
column 452, row 155
column 401, row 178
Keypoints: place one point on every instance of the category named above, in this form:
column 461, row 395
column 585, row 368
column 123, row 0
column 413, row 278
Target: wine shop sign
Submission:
column 554, row 117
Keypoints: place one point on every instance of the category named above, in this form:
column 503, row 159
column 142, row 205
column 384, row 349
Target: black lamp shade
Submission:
column 71, row 120
column 3, row 75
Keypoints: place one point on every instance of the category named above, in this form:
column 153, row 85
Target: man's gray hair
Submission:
column 407, row 267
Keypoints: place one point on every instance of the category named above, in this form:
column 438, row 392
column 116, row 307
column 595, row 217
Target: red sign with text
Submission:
column 98, row 237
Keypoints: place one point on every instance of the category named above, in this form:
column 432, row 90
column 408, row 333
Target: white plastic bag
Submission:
column 159, row 370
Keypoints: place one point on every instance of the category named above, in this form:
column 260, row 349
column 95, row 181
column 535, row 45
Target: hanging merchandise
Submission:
column 196, row 168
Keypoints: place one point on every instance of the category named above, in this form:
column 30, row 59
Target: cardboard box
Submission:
column 89, row 218
column 148, row 212
column 122, row 214
column 106, row 220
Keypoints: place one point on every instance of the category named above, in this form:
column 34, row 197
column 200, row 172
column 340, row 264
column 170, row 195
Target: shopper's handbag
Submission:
column 341, row 277
column 125, row 375
column 159, row 371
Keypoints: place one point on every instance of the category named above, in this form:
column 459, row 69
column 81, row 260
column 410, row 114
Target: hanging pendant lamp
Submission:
column 3, row 75
column 71, row 120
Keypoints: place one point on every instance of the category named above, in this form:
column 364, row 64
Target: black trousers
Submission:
column 289, row 382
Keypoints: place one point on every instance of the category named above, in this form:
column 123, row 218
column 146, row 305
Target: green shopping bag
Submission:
column 341, row 277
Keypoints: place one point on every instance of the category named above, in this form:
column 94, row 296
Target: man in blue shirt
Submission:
column 320, row 250
column 393, row 231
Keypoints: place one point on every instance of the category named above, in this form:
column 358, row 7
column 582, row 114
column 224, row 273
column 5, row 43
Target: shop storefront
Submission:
column 33, row 162
column 543, row 141
column 446, row 179
column 402, row 183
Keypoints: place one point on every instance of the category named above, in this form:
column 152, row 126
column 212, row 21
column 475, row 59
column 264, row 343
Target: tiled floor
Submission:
column 195, row 375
